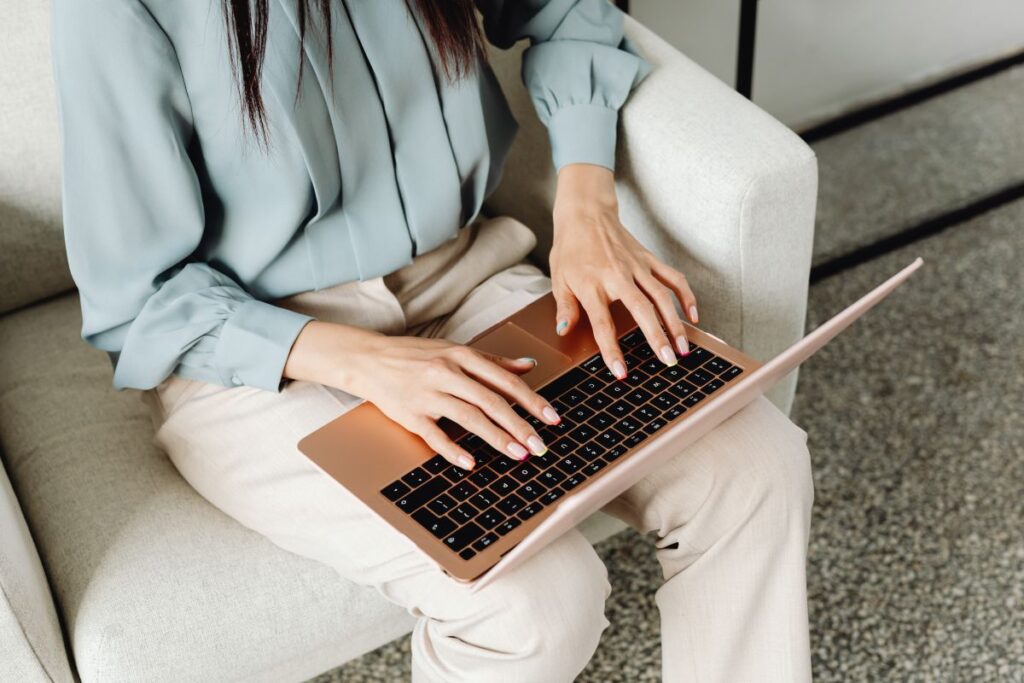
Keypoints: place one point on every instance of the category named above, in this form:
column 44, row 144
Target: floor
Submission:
column 915, row 418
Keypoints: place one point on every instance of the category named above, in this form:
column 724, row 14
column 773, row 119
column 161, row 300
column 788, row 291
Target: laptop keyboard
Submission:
column 602, row 419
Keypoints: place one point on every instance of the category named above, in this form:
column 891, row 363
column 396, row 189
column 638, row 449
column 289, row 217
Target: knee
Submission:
column 783, row 471
column 549, row 614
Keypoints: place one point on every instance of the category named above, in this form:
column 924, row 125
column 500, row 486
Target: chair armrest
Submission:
column 30, row 634
column 708, row 181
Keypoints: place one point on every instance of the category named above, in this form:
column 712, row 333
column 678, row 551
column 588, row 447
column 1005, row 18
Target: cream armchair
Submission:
column 143, row 579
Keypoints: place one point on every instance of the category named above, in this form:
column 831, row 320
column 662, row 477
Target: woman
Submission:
column 272, row 212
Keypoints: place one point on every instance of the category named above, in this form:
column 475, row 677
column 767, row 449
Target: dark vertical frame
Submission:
column 622, row 5
column 745, row 48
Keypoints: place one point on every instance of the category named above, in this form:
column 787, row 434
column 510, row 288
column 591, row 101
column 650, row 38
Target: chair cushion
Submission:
column 152, row 581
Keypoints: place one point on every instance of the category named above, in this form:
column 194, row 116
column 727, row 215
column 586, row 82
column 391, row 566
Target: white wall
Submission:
column 819, row 58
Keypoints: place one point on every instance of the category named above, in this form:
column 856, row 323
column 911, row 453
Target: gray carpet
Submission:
column 914, row 418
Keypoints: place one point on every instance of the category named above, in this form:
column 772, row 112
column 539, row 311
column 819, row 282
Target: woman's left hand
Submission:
column 595, row 260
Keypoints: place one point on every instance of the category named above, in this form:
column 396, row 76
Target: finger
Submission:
column 483, row 368
column 441, row 443
column 664, row 303
column 470, row 416
column 679, row 285
column 517, row 365
column 646, row 316
column 567, row 309
column 604, row 333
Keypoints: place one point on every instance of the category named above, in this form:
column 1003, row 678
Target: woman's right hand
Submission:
column 416, row 381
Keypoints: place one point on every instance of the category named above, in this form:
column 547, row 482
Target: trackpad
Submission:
column 513, row 341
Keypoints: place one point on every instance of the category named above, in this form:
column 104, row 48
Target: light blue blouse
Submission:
column 179, row 231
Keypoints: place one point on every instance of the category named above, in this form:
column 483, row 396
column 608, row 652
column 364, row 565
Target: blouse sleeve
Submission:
column 579, row 69
column 133, row 212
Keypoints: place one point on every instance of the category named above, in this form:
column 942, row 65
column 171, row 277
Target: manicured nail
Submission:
column 619, row 369
column 527, row 359
column 551, row 415
column 684, row 346
column 466, row 462
column 668, row 355
column 517, row 450
column 536, row 445
column 562, row 324
column 693, row 313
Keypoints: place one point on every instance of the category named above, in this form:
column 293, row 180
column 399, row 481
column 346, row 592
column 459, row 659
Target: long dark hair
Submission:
column 451, row 23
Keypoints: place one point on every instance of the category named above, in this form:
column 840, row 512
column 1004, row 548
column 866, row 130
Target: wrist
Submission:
column 330, row 354
column 584, row 189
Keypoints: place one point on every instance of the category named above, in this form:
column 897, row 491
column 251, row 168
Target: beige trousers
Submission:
column 731, row 512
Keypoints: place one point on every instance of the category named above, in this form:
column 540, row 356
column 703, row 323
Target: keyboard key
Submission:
column 462, row 491
column 490, row 519
column 573, row 481
column 504, row 486
column 589, row 451
column 438, row 526
column 564, row 446
column 627, row 425
column 695, row 358
column 508, row 525
column 682, row 388
column 464, row 513
column 471, row 441
column 652, row 366
column 597, row 401
column 394, row 490
column 614, row 453
column 673, row 373
column 468, row 553
column 454, row 473
column 581, row 413
column 717, row 365
column 484, row 498
column 732, row 373
column 483, row 477
column 620, row 409
column 547, row 460
column 552, row 495
column 502, row 464
column 442, row 505
column 665, row 401
column 638, row 396
column 416, row 477
column 531, row 490
column 712, row 386
column 699, row 378
column 552, row 477
column 634, row 439
column 524, row 471
column 594, row 467
column 592, row 386
column 594, row 364
column 609, row 438
column 616, row 389
column 430, row 490
column 485, row 541
column 574, row 396
column 582, row 434
column 529, row 511
column 464, row 536
column 674, row 412
column 511, row 505
column 570, row 464
column 636, row 377
column 631, row 339
column 654, row 426
column 656, row 385
column 436, row 464
column 600, row 421
column 562, row 384
column 646, row 413
column 642, row 353
column 694, row 398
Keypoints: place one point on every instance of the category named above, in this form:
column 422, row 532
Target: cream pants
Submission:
column 731, row 512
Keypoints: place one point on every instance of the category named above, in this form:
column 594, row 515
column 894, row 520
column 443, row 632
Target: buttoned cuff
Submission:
column 254, row 344
column 583, row 133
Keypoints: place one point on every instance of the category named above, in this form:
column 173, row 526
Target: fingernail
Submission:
column 527, row 359
column 684, row 346
column 668, row 355
column 619, row 369
column 693, row 313
column 536, row 445
column 551, row 415
column 562, row 324
column 465, row 462
column 517, row 450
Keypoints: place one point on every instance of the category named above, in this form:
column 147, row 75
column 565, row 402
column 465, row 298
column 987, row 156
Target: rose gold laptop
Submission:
column 478, row 524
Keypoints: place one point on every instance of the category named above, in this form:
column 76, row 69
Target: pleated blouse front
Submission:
column 180, row 230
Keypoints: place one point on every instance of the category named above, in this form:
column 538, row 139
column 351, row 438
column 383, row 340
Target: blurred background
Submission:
column 915, row 415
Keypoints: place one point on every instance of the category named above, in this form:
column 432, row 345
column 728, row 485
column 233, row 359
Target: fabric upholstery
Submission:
column 32, row 260
column 706, row 180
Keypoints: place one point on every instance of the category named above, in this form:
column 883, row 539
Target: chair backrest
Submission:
column 33, row 265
